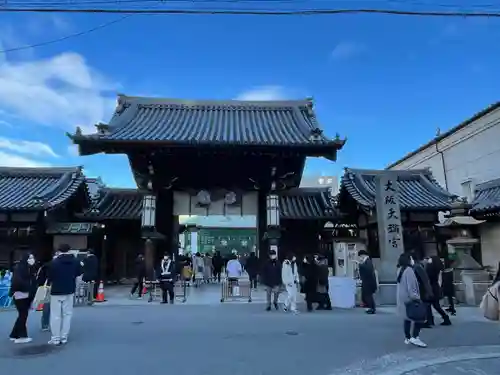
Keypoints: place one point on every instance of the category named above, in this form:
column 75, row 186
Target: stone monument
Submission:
column 467, row 270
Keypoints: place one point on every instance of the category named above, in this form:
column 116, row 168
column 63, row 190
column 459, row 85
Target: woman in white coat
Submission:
column 290, row 278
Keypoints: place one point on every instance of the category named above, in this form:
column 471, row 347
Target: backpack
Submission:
column 490, row 305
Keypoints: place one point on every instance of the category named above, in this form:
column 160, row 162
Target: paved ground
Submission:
column 239, row 339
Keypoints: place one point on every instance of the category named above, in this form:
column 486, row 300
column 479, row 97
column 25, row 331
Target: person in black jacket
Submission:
column 323, row 296
column 91, row 271
column 309, row 281
column 140, row 274
column 448, row 286
column 166, row 276
column 217, row 264
column 424, row 284
column 433, row 267
column 252, row 268
column 368, row 281
column 62, row 275
column 271, row 278
column 22, row 290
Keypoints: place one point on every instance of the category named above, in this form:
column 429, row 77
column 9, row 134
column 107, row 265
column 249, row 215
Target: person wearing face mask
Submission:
column 271, row 278
column 408, row 291
column 290, row 277
column 368, row 281
column 42, row 280
column 425, row 288
column 22, row 290
column 167, row 279
column 433, row 268
column 309, row 281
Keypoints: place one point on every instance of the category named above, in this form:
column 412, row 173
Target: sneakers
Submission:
column 64, row 340
column 23, row 340
column 417, row 342
column 407, row 341
column 54, row 342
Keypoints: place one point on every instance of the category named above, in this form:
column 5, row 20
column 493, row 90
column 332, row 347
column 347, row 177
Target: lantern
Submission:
column 273, row 211
column 148, row 211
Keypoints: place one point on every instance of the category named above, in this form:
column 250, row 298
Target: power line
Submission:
column 75, row 35
column 305, row 12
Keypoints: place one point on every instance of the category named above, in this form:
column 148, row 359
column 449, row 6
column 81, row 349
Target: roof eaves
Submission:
column 448, row 133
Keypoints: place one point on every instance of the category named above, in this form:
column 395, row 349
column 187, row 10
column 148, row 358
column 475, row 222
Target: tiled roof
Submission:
column 418, row 189
column 38, row 188
column 116, row 204
column 306, row 203
column 187, row 122
column 487, row 198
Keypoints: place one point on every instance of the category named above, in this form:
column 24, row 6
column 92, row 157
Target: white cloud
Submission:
column 61, row 91
column 5, row 123
column 10, row 160
column 264, row 93
column 347, row 50
column 27, row 147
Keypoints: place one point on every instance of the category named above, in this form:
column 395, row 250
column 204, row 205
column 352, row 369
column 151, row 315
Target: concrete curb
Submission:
column 411, row 360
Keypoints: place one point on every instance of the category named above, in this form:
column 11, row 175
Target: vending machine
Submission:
column 345, row 259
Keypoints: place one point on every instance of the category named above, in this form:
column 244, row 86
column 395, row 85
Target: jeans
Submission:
column 61, row 311
column 275, row 292
column 19, row 331
column 45, row 321
column 408, row 331
column 291, row 297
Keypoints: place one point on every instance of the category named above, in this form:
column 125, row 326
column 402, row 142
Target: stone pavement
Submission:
column 241, row 339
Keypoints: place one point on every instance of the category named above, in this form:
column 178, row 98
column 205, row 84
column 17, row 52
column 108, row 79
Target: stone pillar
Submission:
column 390, row 230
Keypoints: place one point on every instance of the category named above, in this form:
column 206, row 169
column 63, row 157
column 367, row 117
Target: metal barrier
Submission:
column 5, row 299
column 154, row 290
column 236, row 289
column 84, row 294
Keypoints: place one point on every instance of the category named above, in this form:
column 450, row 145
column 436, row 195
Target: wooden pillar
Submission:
column 262, row 248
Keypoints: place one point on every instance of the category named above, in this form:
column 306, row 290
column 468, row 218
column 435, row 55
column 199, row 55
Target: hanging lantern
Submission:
column 148, row 211
column 273, row 211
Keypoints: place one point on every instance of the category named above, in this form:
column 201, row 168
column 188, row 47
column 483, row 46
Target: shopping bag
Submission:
column 41, row 294
column 416, row 311
column 489, row 306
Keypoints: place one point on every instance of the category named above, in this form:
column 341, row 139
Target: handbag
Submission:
column 489, row 306
column 416, row 311
column 41, row 294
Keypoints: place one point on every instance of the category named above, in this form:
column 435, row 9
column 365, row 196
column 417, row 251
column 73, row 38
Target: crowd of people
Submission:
column 58, row 278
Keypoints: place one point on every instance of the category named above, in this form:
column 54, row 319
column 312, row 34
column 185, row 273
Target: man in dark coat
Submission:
column 271, row 278
column 91, row 271
column 368, row 281
column 324, row 302
column 140, row 274
column 217, row 264
column 252, row 268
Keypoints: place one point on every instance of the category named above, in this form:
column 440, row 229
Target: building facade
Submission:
column 464, row 160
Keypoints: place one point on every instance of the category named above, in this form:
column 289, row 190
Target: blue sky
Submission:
column 385, row 82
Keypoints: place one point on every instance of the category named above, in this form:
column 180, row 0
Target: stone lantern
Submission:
column 467, row 269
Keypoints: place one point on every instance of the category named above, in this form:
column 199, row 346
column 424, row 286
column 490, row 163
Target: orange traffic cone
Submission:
column 39, row 307
column 100, row 293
